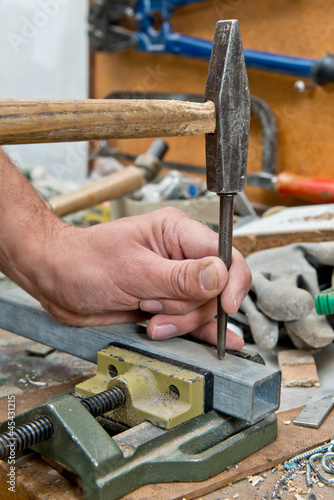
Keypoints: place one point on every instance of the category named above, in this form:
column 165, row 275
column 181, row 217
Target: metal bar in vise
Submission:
column 242, row 388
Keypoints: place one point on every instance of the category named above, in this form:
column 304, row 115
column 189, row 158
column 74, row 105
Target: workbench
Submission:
column 33, row 374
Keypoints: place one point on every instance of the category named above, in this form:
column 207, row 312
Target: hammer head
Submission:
column 227, row 87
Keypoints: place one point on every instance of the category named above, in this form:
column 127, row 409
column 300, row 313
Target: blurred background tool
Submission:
column 312, row 190
column 113, row 185
column 227, row 148
column 145, row 26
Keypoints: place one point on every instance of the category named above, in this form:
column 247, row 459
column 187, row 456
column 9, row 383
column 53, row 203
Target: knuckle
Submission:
column 173, row 211
column 179, row 280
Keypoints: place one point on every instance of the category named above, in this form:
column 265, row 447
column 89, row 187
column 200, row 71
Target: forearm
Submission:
column 25, row 223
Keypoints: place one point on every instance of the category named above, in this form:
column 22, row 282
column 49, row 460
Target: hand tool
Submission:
column 258, row 107
column 314, row 190
column 227, row 147
column 154, row 33
column 114, row 185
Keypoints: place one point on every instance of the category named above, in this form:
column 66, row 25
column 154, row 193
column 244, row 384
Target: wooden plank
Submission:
column 298, row 368
column 249, row 243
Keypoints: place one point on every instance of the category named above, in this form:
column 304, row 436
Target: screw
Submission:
column 292, row 463
column 25, row 436
column 104, row 401
column 41, row 429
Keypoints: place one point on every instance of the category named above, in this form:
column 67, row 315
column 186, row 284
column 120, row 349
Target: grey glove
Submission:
column 285, row 282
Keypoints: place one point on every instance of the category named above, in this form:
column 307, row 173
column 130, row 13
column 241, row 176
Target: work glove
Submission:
column 285, row 283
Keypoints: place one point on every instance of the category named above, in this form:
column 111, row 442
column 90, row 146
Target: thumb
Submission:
column 189, row 279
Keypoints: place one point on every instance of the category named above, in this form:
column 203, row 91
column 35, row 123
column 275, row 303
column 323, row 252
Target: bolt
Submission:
column 104, row 401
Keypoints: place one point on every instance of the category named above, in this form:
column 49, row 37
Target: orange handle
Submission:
column 305, row 188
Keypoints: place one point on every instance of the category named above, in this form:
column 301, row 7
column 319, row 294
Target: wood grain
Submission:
column 27, row 121
column 108, row 188
column 249, row 243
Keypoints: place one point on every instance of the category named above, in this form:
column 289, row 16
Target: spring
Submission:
column 291, row 463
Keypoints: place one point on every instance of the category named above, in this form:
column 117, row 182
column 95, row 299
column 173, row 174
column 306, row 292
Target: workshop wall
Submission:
column 44, row 54
column 305, row 120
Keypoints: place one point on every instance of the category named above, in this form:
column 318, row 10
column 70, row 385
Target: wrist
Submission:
column 27, row 243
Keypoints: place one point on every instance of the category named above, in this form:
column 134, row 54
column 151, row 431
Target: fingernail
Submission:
column 208, row 277
column 239, row 298
column 163, row 332
column 151, row 306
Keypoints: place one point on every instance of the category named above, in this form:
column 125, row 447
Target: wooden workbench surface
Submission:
column 38, row 479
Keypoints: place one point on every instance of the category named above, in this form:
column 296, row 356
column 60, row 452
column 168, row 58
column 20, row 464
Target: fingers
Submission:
column 238, row 284
column 76, row 319
column 185, row 237
column 208, row 333
column 199, row 323
column 169, row 306
column 163, row 326
column 191, row 280
column 188, row 283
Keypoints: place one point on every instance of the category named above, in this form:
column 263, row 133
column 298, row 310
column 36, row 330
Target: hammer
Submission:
column 227, row 148
column 115, row 185
column 224, row 118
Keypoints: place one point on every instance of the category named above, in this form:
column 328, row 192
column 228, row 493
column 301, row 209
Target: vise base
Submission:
column 112, row 466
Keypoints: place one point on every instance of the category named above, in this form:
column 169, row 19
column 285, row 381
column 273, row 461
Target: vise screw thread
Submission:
column 41, row 429
column 104, row 401
column 25, row 436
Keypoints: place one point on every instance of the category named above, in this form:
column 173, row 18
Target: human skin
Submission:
column 162, row 267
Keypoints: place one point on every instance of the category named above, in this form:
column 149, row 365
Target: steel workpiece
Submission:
column 242, row 388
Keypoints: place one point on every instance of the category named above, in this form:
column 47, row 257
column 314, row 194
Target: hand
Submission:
column 163, row 263
column 285, row 282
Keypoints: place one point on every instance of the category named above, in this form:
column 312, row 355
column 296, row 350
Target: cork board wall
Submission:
column 305, row 120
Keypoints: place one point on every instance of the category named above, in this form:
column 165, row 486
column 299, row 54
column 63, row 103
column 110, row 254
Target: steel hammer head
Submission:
column 227, row 87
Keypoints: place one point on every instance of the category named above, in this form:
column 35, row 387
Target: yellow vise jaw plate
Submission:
column 157, row 390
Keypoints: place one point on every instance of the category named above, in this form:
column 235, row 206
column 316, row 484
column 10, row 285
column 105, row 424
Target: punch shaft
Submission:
column 226, row 203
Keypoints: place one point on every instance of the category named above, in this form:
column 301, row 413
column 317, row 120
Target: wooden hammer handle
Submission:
column 109, row 187
column 29, row 121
